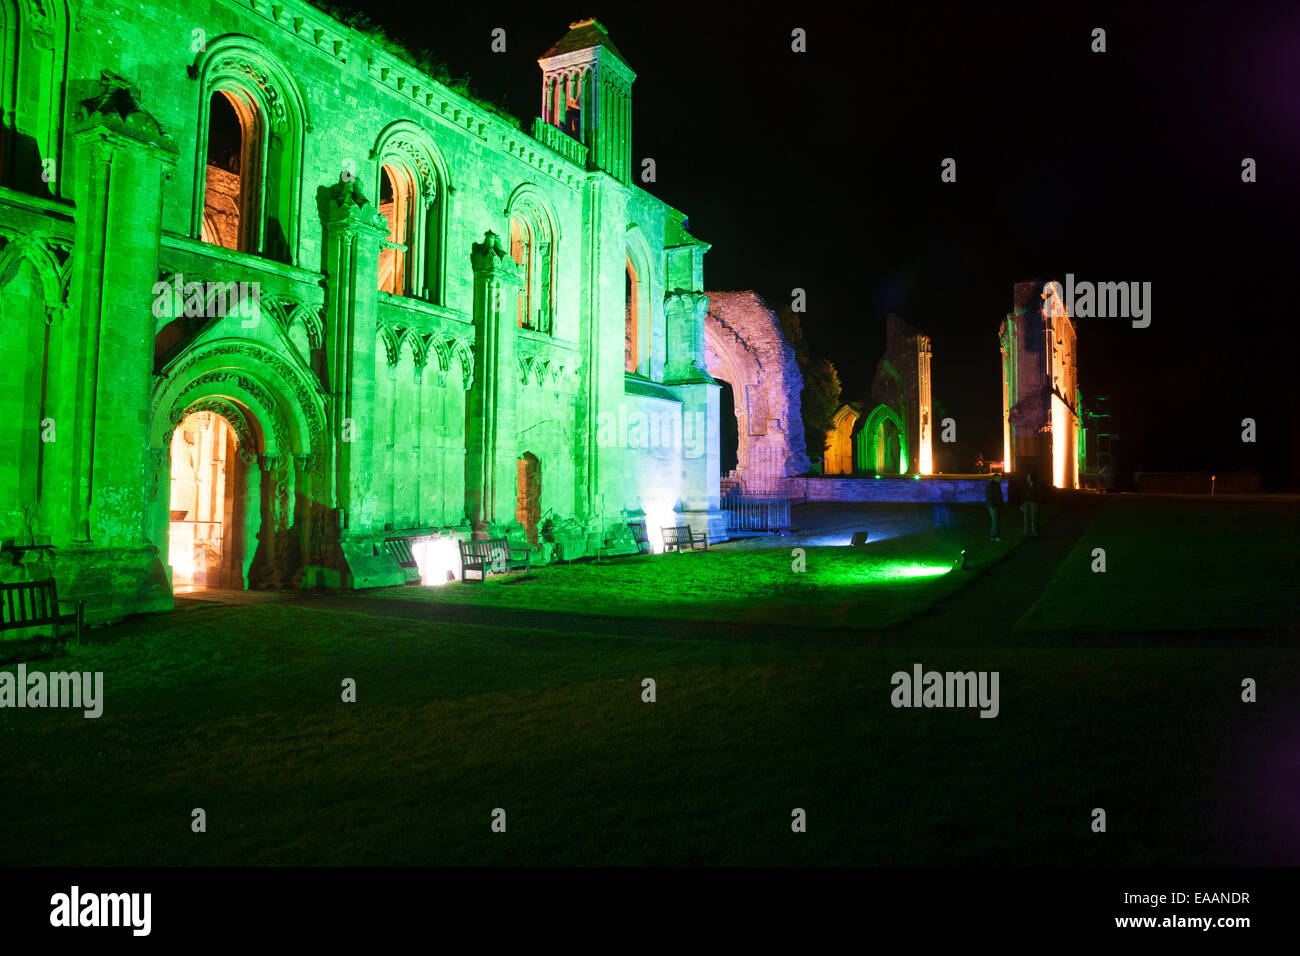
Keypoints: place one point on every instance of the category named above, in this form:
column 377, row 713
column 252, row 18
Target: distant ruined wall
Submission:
column 893, row 431
column 745, row 348
column 1040, row 420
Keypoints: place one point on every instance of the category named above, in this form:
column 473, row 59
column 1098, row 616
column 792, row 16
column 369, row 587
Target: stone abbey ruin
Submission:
column 276, row 298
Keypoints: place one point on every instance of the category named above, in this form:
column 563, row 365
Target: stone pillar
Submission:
column 490, row 438
column 685, row 372
column 354, row 230
column 684, row 314
column 106, row 555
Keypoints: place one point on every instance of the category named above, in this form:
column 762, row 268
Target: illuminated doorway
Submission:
column 528, row 486
column 887, row 450
column 203, row 548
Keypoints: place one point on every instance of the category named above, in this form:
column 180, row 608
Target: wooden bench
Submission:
column 639, row 536
column 682, row 538
column 492, row 554
column 400, row 549
column 36, row 604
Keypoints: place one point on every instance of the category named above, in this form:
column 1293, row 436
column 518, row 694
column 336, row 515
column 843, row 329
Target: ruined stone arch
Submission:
column 902, row 381
column 745, row 348
column 839, row 442
column 868, row 448
column 887, row 374
column 263, row 92
column 735, row 366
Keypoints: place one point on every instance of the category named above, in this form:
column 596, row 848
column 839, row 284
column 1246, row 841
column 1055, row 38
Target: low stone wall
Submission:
column 831, row 488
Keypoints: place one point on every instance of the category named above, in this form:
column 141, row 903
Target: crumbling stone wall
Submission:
column 744, row 347
column 894, row 430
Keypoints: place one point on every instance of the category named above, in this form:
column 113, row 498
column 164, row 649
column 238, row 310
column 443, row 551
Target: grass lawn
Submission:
column 237, row 710
column 1179, row 564
column 878, row 586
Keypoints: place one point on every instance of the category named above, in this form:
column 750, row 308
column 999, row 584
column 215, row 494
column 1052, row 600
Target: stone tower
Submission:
column 587, row 92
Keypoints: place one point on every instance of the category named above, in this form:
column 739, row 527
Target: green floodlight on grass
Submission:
column 899, row 571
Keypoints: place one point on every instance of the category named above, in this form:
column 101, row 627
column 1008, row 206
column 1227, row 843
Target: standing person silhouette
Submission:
column 993, row 498
column 1032, row 496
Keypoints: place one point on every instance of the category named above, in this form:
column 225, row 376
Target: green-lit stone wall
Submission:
column 359, row 414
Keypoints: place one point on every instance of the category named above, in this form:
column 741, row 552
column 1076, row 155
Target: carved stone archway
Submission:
column 277, row 415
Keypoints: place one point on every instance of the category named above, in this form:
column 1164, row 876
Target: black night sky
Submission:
column 822, row 171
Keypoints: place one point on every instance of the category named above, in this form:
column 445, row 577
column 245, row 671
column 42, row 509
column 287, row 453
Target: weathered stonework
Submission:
column 1040, row 386
column 357, row 414
column 892, row 433
column 745, row 348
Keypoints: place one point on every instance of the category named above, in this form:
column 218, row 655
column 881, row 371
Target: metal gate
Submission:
column 755, row 514
column 754, row 499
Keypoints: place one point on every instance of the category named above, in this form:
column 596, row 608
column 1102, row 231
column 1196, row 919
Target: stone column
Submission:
column 354, row 230
column 685, row 372
column 490, row 468
column 121, row 158
column 684, row 314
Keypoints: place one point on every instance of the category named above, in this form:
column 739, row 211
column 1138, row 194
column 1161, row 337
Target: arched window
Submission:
column 639, row 341
column 397, row 198
column 249, row 159
column 521, row 250
column 632, row 325
column 411, row 183
column 531, row 246
column 572, row 115
column 33, row 71
column 234, row 148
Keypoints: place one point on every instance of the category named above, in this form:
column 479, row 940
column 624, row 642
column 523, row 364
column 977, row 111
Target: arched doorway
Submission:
column 205, row 535
column 728, row 429
column 886, row 443
column 528, row 490
column 839, row 443
column 279, row 492
column 882, row 443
